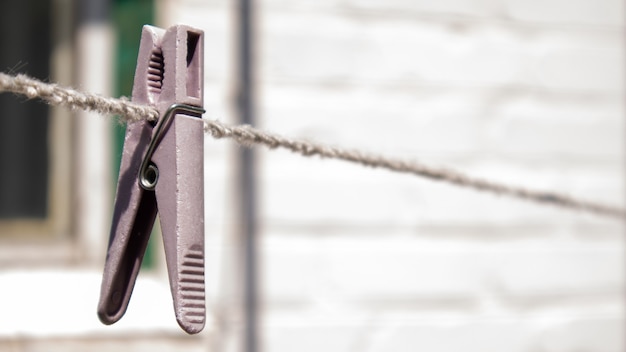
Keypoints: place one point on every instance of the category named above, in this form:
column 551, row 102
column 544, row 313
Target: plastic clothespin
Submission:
column 162, row 170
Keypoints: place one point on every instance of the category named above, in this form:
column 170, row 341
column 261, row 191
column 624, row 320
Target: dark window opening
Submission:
column 25, row 45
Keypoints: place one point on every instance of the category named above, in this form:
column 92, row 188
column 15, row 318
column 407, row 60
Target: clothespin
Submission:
column 162, row 170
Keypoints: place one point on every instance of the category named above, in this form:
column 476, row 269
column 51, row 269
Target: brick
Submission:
column 294, row 270
column 478, row 8
column 583, row 68
column 377, row 267
column 311, row 338
column 604, row 334
column 598, row 13
column 371, row 270
column 560, row 126
column 396, row 52
column 397, row 7
column 510, row 334
column 559, row 271
column 483, row 336
column 325, row 196
column 405, row 274
column 417, row 124
column 392, row 122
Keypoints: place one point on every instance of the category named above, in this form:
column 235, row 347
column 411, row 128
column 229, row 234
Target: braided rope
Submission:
column 250, row 136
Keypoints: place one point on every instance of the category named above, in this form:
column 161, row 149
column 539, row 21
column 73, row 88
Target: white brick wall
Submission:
column 355, row 259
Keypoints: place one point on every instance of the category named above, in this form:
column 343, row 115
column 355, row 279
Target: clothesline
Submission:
column 250, row 136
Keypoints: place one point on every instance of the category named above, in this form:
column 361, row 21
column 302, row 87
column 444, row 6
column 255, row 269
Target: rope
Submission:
column 250, row 136
column 57, row 95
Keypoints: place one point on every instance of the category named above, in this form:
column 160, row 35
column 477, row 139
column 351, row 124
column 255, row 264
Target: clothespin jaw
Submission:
column 162, row 170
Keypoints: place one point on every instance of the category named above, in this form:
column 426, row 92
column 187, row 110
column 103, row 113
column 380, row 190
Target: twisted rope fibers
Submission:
column 57, row 95
column 250, row 136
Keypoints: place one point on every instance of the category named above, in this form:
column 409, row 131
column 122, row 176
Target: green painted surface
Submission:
column 128, row 18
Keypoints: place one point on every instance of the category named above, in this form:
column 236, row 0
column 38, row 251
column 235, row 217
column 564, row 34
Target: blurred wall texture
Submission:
column 353, row 259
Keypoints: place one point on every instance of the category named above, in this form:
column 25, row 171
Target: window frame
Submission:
column 51, row 240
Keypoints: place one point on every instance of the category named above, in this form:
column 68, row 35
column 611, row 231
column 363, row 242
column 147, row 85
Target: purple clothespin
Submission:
column 162, row 170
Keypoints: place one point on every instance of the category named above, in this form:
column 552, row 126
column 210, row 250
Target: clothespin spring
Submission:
column 149, row 173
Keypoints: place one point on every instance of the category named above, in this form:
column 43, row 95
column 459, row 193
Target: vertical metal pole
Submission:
column 246, row 175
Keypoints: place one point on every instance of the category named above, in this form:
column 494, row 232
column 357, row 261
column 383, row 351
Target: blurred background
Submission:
column 304, row 254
